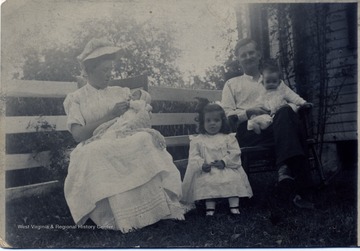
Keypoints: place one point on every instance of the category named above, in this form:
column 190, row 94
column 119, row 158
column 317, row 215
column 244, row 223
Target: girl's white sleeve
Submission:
column 195, row 159
column 193, row 171
column 232, row 158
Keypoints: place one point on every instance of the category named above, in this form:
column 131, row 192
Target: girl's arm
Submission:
column 195, row 159
column 232, row 158
column 193, row 171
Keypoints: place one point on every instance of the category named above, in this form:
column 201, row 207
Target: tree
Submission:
column 216, row 76
column 145, row 49
column 228, row 66
column 54, row 64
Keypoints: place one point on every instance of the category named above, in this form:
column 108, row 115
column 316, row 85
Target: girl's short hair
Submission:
column 213, row 107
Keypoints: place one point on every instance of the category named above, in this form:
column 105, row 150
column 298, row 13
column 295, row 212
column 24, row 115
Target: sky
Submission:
column 43, row 23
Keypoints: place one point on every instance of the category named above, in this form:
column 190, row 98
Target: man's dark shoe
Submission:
column 284, row 190
column 302, row 203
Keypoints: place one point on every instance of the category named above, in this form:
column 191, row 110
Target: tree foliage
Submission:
column 145, row 49
column 53, row 64
column 216, row 76
column 228, row 66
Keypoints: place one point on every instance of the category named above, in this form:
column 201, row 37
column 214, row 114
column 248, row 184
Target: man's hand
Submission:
column 256, row 111
column 307, row 105
column 206, row 168
column 218, row 164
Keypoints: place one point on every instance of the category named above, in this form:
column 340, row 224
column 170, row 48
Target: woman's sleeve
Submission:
column 73, row 112
column 232, row 157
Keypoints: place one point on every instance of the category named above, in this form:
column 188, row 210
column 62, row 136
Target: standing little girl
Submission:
column 214, row 169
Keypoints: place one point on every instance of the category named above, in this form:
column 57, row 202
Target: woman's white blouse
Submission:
column 89, row 104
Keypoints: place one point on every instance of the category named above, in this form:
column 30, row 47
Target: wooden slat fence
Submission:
column 49, row 89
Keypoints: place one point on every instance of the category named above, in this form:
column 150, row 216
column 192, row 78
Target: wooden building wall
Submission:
column 339, row 64
column 342, row 62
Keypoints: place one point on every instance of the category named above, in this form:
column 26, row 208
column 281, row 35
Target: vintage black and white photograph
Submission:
column 179, row 124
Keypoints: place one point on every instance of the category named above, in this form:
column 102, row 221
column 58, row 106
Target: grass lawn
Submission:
column 332, row 224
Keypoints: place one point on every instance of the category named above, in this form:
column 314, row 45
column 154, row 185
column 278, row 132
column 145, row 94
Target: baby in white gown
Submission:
column 135, row 119
column 275, row 95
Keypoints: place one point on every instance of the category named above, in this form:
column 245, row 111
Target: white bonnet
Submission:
column 95, row 48
column 145, row 96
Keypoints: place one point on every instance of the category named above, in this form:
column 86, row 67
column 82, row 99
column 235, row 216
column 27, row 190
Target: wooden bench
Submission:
column 21, row 125
column 46, row 89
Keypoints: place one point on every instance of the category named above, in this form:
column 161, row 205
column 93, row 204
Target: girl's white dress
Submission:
column 231, row 181
column 120, row 183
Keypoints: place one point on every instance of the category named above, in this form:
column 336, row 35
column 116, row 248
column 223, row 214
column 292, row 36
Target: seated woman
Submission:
column 124, row 182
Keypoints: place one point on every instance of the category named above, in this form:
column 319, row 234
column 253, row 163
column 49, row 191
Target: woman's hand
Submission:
column 256, row 111
column 119, row 109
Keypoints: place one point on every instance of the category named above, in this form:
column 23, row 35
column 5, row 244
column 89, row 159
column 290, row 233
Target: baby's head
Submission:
column 212, row 120
column 141, row 95
column 271, row 75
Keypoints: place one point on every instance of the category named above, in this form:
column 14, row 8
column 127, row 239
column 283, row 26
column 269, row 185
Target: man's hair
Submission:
column 244, row 42
column 269, row 65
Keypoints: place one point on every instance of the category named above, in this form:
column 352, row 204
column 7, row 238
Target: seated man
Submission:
column 239, row 101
